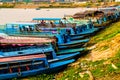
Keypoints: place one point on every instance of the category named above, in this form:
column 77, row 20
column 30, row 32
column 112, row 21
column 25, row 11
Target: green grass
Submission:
column 107, row 33
column 98, row 69
column 38, row 77
column 73, row 74
column 105, row 47
column 42, row 77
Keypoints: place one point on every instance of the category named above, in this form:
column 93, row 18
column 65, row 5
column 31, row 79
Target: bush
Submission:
column 7, row 5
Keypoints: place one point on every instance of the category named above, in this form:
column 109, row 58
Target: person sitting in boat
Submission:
column 30, row 28
column 61, row 24
column 24, row 28
column 52, row 24
column 21, row 29
column 64, row 21
column 42, row 23
column 27, row 28
column 37, row 28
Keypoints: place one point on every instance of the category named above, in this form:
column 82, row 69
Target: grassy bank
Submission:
column 102, row 62
column 107, row 34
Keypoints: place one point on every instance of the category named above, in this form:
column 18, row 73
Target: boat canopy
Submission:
column 88, row 13
column 109, row 10
column 46, row 18
column 23, row 23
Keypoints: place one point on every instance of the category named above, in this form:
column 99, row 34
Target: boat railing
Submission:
column 38, row 29
column 12, row 67
column 14, row 49
column 29, row 33
column 57, row 25
column 84, row 27
column 23, row 48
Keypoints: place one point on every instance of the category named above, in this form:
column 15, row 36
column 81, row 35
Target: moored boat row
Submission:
column 47, row 44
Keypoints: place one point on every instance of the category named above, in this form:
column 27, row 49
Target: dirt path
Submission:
column 105, row 49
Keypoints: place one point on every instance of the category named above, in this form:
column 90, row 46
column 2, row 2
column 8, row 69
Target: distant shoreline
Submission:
column 58, row 5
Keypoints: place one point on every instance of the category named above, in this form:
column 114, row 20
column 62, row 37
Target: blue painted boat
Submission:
column 72, row 43
column 22, row 66
column 101, row 17
column 86, row 30
column 63, row 37
column 115, row 12
column 74, row 24
column 112, row 13
column 24, row 56
column 66, row 51
column 17, row 46
column 95, row 16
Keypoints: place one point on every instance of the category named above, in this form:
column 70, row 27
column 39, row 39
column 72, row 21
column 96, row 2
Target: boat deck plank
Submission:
column 26, row 40
column 17, row 58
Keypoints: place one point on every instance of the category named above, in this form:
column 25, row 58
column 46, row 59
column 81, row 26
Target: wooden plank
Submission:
column 16, row 58
column 26, row 40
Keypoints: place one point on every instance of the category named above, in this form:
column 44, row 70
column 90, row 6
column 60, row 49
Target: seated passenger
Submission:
column 27, row 28
column 24, row 28
column 61, row 24
column 52, row 24
column 42, row 23
column 30, row 28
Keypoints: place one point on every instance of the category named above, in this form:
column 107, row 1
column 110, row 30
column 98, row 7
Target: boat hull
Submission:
column 52, row 68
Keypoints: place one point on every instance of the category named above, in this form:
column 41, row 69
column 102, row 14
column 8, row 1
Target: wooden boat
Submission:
column 100, row 18
column 66, row 51
column 23, row 40
column 112, row 13
column 17, row 46
column 24, row 59
column 94, row 16
column 73, row 44
column 37, row 9
column 62, row 38
column 22, row 66
column 71, row 23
